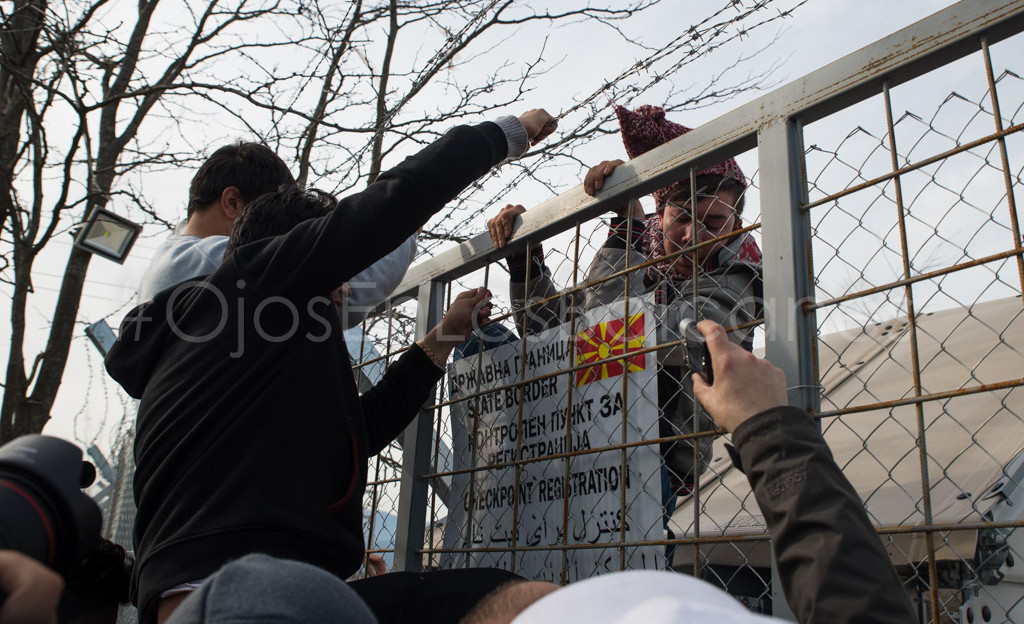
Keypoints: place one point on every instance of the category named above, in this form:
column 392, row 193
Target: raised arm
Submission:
column 831, row 562
column 528, row 271
column 318, row 255
column 374, row 284
column 530, row 279
column 394, row 401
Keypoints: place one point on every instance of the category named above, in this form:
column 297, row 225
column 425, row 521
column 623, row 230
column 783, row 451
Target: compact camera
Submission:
column 43, row 511
column 695, row 346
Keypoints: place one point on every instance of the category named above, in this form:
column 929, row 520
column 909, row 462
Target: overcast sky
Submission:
column 819, row 32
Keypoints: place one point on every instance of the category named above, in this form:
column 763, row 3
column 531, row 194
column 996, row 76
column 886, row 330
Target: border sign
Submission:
column 587, row 498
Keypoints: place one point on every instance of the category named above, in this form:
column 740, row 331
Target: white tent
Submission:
column 972, row 439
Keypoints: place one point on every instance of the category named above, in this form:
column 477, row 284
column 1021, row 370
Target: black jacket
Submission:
column 251, row 436
column 833, row 567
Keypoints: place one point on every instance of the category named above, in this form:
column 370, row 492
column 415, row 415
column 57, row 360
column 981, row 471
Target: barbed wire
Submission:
column 967, row 323
column 707, row 29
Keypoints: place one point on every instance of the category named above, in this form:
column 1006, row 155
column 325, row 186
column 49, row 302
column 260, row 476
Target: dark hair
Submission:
column 711, row 183
column 252, row 168
column 101, row 583
column 276, row 213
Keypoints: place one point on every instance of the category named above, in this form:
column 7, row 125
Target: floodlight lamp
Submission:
column 101, row 335
column 107, row 234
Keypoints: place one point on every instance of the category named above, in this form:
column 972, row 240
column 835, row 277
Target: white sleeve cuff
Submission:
column 515, row 133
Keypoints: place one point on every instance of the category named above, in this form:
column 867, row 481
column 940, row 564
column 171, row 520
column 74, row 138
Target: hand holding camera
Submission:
column 746, row 384
column 695, row 347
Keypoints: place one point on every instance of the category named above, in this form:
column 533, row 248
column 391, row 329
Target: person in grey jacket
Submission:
column 686, row 254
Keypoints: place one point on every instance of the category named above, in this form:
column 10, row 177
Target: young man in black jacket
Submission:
column 251, row 435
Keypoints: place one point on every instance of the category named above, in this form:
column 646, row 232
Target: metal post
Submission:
column 413, row 492
column 785, row 233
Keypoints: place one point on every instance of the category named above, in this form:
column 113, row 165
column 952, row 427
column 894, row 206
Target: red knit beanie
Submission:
column 646, row 128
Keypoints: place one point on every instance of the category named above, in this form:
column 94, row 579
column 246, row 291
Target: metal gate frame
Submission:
column 774, row 125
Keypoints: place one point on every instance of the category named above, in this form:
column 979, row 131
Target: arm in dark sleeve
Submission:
column 614, row 256
column 319, row 255
column 548, row 307
column 832, row 564
column 623, row 231
column 396, row 399
column 548, row 314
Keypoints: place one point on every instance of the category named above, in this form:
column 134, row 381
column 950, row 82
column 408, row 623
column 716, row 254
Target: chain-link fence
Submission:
column 564, row 440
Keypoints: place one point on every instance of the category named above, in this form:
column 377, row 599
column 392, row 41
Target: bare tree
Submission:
column 392, row 76
column 95, row 95
column 77, row 84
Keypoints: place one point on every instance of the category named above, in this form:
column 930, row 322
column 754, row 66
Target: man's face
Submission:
column 685, row 225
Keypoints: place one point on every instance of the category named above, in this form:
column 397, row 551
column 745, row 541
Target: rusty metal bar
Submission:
column 473, row 454
column 375, row 484
column 567, row 462
column 519, row 416
column 581, row 452
column 924, row 398
column 695, row 414
column 715, row 539
column 966, row 147
column 1011, row 202
column 731, row 539
column 623, row 470
column 917, row 278
column 374, row 501
column 926, row 489
column 573, row 369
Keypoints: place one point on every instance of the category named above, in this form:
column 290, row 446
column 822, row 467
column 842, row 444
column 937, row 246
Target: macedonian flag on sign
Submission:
column 606, row 340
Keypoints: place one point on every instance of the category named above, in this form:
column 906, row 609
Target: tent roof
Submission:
column 970, row 439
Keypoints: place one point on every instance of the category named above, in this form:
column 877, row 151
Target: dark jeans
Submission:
column 442, row 597
column 259, row 588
